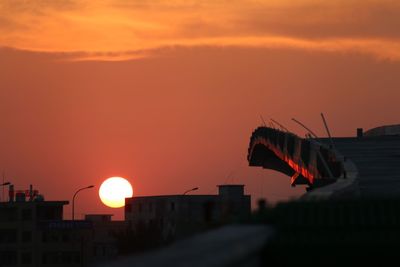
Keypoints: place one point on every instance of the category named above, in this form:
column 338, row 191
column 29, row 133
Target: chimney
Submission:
column 360, row 133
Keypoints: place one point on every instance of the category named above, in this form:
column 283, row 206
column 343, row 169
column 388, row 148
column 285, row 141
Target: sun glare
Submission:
column 114, row 190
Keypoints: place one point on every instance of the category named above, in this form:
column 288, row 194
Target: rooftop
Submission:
column 41, row 203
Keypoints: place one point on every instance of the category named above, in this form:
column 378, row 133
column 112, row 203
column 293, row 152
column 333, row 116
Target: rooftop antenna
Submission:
column 271, row 125
column 280, row 125
column 263, row 121
column 305, row 127
column 327, row 130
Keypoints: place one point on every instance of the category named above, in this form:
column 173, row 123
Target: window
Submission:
column 140, row 207
column 26, row 258
column 208, row 210
column 26, row 215
column 60, row 257
column 77, row 257
column 8, row 258
column 150, row 207
column 8, row 236
column 51, row 237
column 66, row 257
column 172, row 206
column 151, row 223
column 8, row 214
column 65, row 237
column 26, row 236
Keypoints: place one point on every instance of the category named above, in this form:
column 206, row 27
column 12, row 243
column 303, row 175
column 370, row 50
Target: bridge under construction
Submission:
column 367, row 164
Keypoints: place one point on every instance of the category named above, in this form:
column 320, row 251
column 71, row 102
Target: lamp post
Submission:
column 73, row 199
column 190, row 190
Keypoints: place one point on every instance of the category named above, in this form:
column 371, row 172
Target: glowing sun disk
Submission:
column 114, row 190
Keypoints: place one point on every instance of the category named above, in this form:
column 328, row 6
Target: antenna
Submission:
column 305, row 127
column 280, row 125
column 327, row 130
column 275, row 124
column 263, row 121
column 271, row 125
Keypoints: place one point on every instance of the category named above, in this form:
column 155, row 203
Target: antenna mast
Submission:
column 263, row 121
column 280, row 125
column 327, row 130
column 305, row 127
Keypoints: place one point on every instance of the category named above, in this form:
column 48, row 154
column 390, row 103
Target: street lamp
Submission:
column 190, row 190
column 73, row 199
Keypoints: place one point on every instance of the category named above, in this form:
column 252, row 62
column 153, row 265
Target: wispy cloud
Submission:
column 119, row 30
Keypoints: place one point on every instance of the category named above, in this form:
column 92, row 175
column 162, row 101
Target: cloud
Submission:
column 118, row 30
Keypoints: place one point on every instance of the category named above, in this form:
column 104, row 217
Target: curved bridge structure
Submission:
column 368, row 164
column 306, row 161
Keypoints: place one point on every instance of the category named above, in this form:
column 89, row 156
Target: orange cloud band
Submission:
column 113, row 30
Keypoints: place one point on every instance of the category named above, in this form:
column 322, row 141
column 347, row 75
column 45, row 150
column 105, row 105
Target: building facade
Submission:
column 177, row 216
column 104, row 237
column 33, row 234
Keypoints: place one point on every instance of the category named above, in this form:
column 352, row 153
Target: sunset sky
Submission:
column 167, row 93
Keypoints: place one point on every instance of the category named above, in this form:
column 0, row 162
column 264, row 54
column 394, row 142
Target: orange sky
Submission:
column 167, row 93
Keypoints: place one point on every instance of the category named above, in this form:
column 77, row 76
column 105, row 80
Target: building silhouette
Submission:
column 177, row 216
column 33, row 231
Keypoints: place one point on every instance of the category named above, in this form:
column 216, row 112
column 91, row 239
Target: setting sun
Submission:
column 114, row 190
